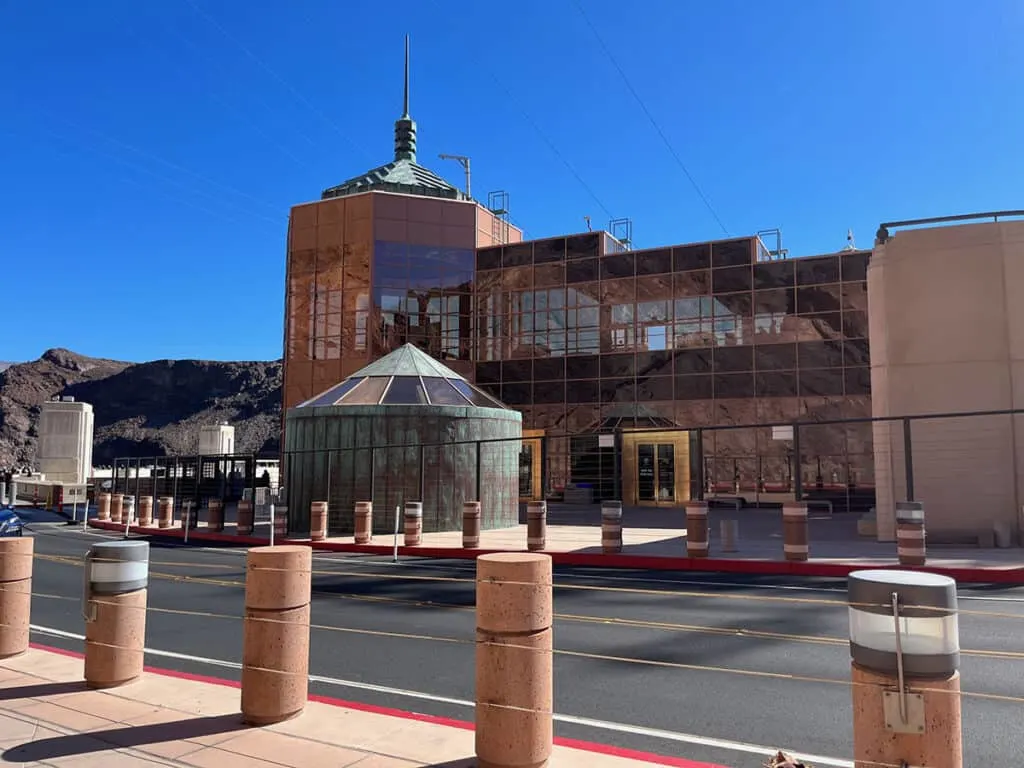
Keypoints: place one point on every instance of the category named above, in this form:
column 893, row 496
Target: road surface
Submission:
column 708, row 667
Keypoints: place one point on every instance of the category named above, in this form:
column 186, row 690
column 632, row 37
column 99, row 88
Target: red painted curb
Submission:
column 1014, row 576
column 583, row 746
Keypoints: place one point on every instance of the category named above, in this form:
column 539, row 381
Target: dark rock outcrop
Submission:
column 143, row 409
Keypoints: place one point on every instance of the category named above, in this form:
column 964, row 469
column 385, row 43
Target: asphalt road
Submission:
column 705, row 667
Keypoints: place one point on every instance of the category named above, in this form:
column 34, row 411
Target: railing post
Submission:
column 908, row 458
column 798, row 474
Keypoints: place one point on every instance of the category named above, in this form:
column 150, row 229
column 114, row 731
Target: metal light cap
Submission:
column 116, row 567
column 414, row 508
column 929, row 634
column 910, row 512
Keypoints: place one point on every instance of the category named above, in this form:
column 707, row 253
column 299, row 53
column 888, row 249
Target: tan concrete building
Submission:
column 946, row 325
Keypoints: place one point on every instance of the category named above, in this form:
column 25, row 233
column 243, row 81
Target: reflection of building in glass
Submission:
column 580, row 333
column 691, row 336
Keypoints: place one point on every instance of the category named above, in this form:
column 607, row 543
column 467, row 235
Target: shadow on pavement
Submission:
column 120, row 738
column 41, row 690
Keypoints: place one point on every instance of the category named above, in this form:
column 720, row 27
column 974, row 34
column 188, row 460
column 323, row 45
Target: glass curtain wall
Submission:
column 695, row 335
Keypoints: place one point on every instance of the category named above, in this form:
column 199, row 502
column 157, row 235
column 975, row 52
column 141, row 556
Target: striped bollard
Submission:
column 364, row 522
column 795, row 538
column 413, row 523
column 696, row 528
column 611, row 527
column 471, row 525
column 536, row 525
column 318, row 520
column 910, row 533
column 245, row 521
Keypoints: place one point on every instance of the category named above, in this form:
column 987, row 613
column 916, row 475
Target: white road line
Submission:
column 636, row 730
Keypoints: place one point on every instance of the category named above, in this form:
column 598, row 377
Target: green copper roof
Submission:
column 407, row 376
column 408, row 360
column 403, row 175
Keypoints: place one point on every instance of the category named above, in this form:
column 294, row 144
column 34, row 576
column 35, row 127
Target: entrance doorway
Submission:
column 656, row 468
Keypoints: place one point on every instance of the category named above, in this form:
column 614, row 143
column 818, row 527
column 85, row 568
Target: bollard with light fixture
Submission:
column 905, row 650
column 115, row 577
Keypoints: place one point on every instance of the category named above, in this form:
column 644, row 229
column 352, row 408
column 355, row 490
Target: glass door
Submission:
column 526, row 471
column 646, row 473
column 666, row 472
column 656, row 472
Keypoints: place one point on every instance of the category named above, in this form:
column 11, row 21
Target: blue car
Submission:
column 10, row 523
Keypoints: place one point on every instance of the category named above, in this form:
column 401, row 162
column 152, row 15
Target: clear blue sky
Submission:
column 149, row 151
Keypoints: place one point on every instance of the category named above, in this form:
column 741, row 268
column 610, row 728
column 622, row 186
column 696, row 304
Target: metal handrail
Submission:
column 884, row 227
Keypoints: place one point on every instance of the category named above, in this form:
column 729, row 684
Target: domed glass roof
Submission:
column 407, row 376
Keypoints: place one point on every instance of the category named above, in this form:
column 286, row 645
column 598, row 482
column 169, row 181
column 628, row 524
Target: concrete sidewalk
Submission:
column 48, row 717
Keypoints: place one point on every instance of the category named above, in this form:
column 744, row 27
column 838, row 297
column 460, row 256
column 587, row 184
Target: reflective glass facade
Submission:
column 580, row 334
column 581, row 337
column 370, row 272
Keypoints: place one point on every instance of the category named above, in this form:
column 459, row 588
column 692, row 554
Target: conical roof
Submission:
column 407, row 376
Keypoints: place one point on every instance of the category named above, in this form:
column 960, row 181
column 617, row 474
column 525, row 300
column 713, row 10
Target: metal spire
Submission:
column 405, row 126
column 405, row 101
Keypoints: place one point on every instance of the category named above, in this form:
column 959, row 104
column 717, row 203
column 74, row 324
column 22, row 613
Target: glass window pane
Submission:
column 732, row 253
column 334, row 394
column 441, row 392
column 581, row 271
column 369, row 393
column 475, row 396
column 405, row 390
column 691, row 257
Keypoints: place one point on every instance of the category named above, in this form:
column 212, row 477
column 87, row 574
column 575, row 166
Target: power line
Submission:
column 266, row 68
column 551, row 145
column 650, row 117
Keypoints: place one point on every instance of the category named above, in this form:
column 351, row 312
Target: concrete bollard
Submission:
column 910, row 533
column 729, row 532
column 103, row 506
column 275, row 641
column 413, row 523
column 318, row 520
column 116, row 576
column 514, row 668
column 280, row 521
column 15, row 594
column 12, row 492
column 128, row 510
column 471, row 525
column 611, row 527
column 116, row 507
column 145, row 511
column 905, row 650
column 795, row 541
column 696, row 528
column 166, row 511
column 364, row 522
column 245, row 519
column 215, row 515
column 536, row 525
column 187, row 521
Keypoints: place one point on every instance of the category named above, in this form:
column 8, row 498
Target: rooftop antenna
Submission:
column 464, row 162
column 589, row 228
column 851, row 245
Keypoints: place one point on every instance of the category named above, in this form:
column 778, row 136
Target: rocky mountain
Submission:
column 142, row 409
